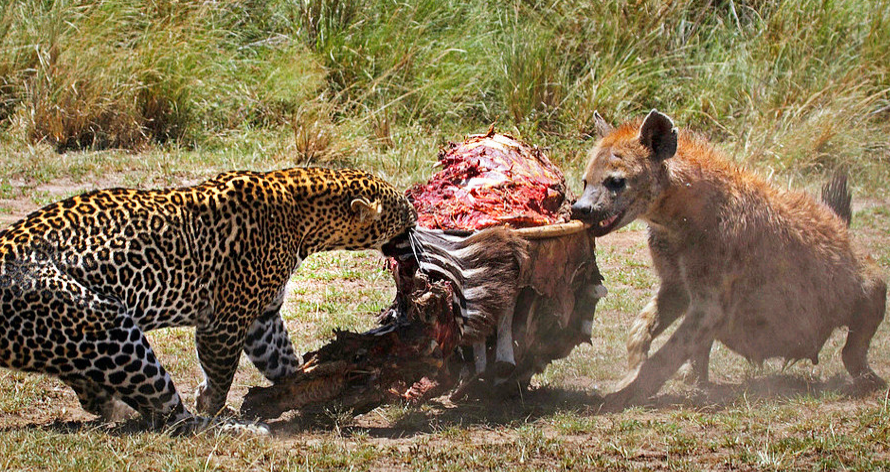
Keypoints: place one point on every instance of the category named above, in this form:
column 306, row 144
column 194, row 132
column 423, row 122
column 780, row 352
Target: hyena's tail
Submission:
column 837, row 196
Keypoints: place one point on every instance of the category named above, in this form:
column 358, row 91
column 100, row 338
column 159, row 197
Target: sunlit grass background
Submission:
column 164, row 93
column 794, row 88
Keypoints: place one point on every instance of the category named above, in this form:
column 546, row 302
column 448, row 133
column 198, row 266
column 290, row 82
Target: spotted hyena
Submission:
column 769, row 273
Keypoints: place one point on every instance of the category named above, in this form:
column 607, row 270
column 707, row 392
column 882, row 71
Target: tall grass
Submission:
column 129, row 73
column 796, row 87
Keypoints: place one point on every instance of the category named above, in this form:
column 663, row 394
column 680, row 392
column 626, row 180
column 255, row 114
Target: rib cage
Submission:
column 483, row 269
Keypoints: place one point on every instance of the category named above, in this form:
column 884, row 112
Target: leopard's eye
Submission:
column 615, row 184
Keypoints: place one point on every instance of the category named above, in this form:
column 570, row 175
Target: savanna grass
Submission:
column 168, row 92
column 794, row 87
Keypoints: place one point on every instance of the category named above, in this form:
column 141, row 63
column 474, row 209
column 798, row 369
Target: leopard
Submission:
column 767, row 272
column 83, row 279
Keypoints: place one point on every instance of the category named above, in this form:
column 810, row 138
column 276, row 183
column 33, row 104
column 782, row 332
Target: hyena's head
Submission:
column 626, row 172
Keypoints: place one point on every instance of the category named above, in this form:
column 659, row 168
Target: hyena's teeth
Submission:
column 608, row 221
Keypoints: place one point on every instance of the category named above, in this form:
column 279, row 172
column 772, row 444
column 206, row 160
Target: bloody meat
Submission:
column 491, row 180
column 422, row 347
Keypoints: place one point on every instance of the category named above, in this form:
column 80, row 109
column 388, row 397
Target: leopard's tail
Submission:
column 837, row 196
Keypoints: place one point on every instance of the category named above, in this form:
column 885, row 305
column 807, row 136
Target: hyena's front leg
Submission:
column 697, row 329
column 664, row 308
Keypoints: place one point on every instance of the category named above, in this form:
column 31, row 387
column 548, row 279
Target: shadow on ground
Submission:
column 542, row 402
column 405, row 421
column 122, row 428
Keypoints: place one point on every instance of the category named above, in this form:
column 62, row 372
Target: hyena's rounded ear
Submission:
column 601, row 125
column 366, row 210
column 659, row 134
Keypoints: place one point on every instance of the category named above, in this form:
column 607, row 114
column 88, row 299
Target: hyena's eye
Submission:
column 614, row 184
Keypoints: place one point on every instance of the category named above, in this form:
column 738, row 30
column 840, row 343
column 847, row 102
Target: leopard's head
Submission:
column 376, row 213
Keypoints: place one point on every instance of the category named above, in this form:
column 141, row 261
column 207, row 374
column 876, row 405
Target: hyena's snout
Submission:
column 597, row 210
column 582, row 210
column 592, row 207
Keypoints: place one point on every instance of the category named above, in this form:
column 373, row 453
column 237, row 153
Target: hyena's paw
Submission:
column 626, row 393
column 624, row 398
column 691, row 374
column 867, row 383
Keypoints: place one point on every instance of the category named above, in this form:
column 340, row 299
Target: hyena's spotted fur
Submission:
column 768, row 273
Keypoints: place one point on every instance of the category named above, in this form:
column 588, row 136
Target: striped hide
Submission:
column 484, row 269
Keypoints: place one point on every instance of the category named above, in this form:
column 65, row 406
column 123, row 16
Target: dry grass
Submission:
column 753, row 419
column 182, row 90
column 794, row 88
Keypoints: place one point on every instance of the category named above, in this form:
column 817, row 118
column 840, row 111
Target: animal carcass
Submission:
column 493, row 285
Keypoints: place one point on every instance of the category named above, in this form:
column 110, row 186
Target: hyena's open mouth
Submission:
column 605, row 225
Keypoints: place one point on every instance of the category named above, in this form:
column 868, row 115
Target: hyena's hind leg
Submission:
column 866, row 316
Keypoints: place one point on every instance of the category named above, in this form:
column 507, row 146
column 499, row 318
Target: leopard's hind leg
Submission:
column 96, row 399
column 54, row 324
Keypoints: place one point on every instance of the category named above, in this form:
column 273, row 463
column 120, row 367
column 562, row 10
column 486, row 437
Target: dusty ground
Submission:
column 559, row 420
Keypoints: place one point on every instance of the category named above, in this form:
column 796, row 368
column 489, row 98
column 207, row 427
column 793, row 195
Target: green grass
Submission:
column 166, row 93
column 794, row 88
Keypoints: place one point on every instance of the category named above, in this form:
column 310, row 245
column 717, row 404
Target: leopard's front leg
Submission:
column 219, row 348
column 269, row 347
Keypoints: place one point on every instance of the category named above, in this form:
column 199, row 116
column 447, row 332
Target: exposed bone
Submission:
column 479, row 356
column 551, row 231
column 587, row 327
column 596, row 292
column 504, row 351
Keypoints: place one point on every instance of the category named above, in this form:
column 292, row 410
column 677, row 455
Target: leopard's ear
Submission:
column 366, row 210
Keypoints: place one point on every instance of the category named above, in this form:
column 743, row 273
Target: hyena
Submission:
column 769, row 273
